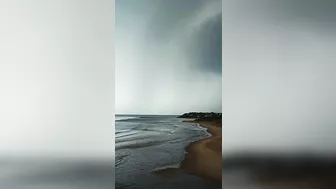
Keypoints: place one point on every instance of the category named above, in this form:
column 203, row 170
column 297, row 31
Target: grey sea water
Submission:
column 145, row 144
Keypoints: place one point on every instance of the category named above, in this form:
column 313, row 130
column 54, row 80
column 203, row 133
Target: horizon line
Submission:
column 166, row 114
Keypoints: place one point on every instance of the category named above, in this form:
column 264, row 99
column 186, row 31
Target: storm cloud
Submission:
column 168, row 56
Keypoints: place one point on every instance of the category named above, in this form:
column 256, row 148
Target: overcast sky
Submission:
column 279, row 77
column 56, row 77
column 168, row 56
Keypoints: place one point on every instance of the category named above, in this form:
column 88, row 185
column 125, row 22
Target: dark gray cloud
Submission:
column 174, row 46
column 170, row 15
column 206, row 48
column 166, row 18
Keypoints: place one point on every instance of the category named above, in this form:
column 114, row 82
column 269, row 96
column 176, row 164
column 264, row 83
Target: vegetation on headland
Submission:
column 204, row 118
column 202, row 115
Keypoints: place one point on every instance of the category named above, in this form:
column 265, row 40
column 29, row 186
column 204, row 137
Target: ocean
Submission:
column 145, row 144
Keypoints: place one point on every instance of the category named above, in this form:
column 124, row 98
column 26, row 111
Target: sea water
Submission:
column 145, row 144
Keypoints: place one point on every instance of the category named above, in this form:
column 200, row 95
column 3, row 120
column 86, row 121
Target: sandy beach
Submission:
column 204, row 157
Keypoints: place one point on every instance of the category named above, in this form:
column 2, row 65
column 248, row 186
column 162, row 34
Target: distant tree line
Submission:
column 202, row 115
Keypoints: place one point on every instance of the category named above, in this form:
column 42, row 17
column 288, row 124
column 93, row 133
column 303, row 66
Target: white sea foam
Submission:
column 118, row 118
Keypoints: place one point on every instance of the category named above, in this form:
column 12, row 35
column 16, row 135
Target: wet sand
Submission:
column 204, row 157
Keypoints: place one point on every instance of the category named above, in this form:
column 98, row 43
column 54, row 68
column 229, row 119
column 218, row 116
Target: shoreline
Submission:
column 204, row 156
